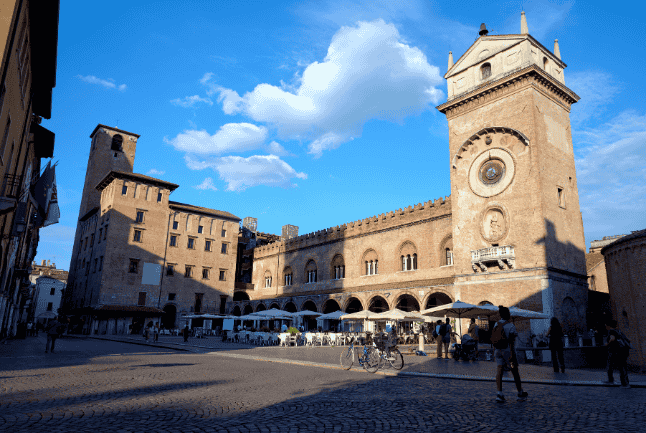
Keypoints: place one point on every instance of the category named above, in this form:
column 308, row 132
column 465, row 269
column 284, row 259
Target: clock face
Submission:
column 492, row 171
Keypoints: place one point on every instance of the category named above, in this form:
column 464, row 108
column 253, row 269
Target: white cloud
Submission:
column 369, row 73
column 207, row 185
column 241, row 173
column 155, row 172
column 109, row 83
column 611, row 175
column 190, row 101
column 232, row 137
column 596, row 89
column 276, row 149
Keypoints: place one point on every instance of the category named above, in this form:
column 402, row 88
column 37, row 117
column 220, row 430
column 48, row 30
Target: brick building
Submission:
column 510, row 232
column 28, row 43
column 139, row 256
column 625, row 260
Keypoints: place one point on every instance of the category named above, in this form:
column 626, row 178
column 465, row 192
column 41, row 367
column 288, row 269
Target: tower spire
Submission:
column 450, row 59
column 523, row 24
column 557, row 51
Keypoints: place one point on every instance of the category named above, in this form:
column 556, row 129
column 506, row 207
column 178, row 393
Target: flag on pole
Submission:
column 53, row 211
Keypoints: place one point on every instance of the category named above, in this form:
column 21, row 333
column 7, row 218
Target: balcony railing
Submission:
column 503, row 256
column 10, row 192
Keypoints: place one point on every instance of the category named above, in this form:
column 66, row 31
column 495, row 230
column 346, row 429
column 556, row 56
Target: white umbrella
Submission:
column 331, row 316
column 359, row 315
column 459, row 310
column 397, row 314
column 273, row 312
column 516, row 313
column 307, row 313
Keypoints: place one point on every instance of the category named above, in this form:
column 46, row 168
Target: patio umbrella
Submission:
column 331, row 316
column 459, row 310
column 397, row 314
column 516, row 313
column 359, row 315
column 307, row 313
column 273, row 312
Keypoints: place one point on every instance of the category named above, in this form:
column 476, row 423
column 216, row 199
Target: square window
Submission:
column 205, row 273
column 199, row 229
column 224, row 233
column 137, row 237
column 142, row 298
column 52, row 291
column 170, row 270
column 188, row 272
column 223, row 275
column 175, row 225
column 140, row 217
column 224, row 248
column 124, row 190
column 134, row 264
column 171, row 296
column 561, row 197
column 207, row 245
column 173, row 241
column 191, row 243
column 50, row 306
column 159, row 197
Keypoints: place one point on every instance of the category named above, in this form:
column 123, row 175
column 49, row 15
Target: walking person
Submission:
column 156, row 331
column 618, row 350
column 438, row 338
column 503, row 338
column 186, row 332
column 53, row 329
column 30, row 329
column 474, row 332
column 555, row 334
column 146, row 332
column 444, row 338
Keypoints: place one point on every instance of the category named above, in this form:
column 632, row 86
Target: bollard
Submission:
column 421, row 342
column 580, row 341
column 567, row 341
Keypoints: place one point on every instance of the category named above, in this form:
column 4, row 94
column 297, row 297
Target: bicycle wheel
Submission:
column 373, row 359
column 347, row 358
column 396, row 359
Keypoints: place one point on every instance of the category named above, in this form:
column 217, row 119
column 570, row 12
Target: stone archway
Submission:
column 290, row 307
column 377, row 304
column 309, row 305
column 353, row 306
column 248, row 309
column 261, row 307
column 437, row 298
column 407, row 302
column 330, row 306
column 240, row 296
column 236, row 311
column 168, row 319
column 274, row 305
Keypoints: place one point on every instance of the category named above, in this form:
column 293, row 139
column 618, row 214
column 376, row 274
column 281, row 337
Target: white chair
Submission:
column 284, row 339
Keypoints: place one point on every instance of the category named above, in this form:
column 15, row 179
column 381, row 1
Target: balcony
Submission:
column 243, row 287
column 503, row 257
column 10, row 192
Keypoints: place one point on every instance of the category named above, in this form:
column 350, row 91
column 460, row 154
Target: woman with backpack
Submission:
column 555, row 334
column 503, row 339
column 618, row 349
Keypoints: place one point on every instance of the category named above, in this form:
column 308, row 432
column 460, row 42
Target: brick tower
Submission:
column 517, row 228
column 111, row 149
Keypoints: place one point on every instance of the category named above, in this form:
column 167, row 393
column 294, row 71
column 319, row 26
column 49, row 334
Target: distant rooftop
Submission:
column 115, row 174
column 202, row 210
column 114, row 129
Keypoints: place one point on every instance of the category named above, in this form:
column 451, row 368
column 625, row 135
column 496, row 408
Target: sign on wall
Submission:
column 152, row 274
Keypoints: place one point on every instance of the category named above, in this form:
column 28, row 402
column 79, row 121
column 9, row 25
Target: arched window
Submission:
column 485, row 71
column 408, row 254
column 545, row 63
column 288, row 274
column 267, row 279
column 446, row 252
column 311, row 272
column 449, row 256
column 337, row 270
column 117, row 143
column 404, row 266
column 414, row 261
column 371, row 262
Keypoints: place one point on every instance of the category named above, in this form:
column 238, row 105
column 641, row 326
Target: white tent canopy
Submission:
column 206, row 316
column 307, row 313
column 331, row 316
column 515, row 312
column 359, row 315
column 397, row 314
column 273, row 312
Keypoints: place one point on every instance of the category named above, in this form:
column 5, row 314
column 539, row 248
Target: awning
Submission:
column 43, row 141
column 127, row 311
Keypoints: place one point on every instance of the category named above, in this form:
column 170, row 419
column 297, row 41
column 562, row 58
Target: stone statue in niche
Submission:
column 494, row 225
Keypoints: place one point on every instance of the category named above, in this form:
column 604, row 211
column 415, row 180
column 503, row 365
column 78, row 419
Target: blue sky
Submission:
column 321, row 113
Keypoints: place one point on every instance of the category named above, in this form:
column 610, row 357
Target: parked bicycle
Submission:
column 370, row 359
column 389, row 353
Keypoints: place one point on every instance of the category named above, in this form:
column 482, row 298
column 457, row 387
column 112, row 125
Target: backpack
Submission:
column 443, row 329
column 623, row 342
column 498, row 337
column 434, row 333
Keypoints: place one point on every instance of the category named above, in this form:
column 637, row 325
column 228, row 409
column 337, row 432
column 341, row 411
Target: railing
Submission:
column 503, row 256
column 243, row 286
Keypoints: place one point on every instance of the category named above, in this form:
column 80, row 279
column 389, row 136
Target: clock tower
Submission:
column 517, row 228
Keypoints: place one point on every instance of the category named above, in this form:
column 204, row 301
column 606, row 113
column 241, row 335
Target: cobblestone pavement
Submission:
column 94, row 385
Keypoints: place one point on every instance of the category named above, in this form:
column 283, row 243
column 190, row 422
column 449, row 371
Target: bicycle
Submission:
column 369, row 360
column 391, row 354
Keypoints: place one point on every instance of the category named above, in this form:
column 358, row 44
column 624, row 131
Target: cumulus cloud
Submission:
column 241, row 173
column 191, row 101
column 155, row 172
column 275, row 148
column 207, row 185
column 109, row 83
column 611, row 175
column 369, row 72
column 232, row 137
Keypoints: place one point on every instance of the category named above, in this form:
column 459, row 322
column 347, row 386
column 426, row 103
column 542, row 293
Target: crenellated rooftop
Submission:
column 410, row 214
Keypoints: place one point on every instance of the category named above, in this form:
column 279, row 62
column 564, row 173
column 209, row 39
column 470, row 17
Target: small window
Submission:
column 137, row 237
column 96, row 264
column 175, row 225
column 223, row 275
column 267, row 282
column 545, row 63
column 140, row 217
column 224, row 233
column 207, row 245
column 124, row 190
column 205, row 273
column 105, row 233
column 171, row 296
column 92, row 239
column 191, row 243
column 224, row 248
column 485, row 71
column 170, row 270
column 188, row 272
column 134, row 264
column 52, row 291
column 117, row 143
column 561, row 197
column 200, row 229
column 50, row 306
column 449, row 257
column 159, row 197
column 100, row 234
column 288, row 279
column 173, row 241
column 85, row 247
column 101, row 263
column 142, row 298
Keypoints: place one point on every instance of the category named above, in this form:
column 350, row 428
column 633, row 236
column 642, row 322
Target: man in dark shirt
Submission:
column 617, row 354
column 52, row 334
